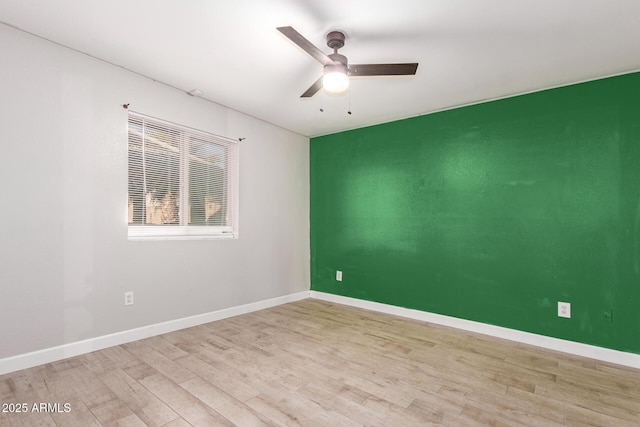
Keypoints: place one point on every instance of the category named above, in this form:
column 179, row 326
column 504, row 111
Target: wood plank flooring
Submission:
column 312, row 363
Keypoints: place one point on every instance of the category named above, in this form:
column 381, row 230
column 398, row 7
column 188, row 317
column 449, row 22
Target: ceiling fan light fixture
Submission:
column 335, row 79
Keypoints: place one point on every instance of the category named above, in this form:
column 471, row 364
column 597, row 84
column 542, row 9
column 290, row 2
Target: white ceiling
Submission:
column 468, row 50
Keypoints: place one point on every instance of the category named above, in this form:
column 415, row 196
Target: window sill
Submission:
column 142, row 233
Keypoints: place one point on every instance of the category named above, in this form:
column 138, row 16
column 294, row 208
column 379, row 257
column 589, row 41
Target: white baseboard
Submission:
column 48, row 355
column 593, row 352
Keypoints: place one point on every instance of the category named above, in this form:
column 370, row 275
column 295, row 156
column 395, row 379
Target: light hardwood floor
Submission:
column 313, row 363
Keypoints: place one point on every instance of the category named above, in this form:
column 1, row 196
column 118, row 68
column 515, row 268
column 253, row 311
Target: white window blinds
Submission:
column 182, row 182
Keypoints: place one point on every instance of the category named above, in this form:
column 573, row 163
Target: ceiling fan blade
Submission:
column 407, row 69
column 305, row 45
column 313, row 89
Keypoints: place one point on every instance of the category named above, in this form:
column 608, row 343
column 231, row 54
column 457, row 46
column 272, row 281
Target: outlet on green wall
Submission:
column 492, row 212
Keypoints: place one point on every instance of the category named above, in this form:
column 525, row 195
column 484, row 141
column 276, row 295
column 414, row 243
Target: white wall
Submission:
column 65, row 261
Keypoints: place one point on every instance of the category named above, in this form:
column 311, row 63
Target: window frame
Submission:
column 184, row 231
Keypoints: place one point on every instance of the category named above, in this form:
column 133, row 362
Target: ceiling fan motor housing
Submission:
column 338, row 59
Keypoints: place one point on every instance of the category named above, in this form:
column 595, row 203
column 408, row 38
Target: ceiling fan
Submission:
column 337, row 70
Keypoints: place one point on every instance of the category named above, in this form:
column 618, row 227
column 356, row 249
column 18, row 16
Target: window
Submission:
column 182, row 182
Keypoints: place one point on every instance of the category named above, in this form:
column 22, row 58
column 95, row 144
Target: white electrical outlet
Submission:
column 339, row 276
column 128, row 298
column 564, row 309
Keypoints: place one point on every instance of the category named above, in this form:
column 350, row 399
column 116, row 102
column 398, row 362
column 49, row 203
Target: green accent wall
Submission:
column 492, row 212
